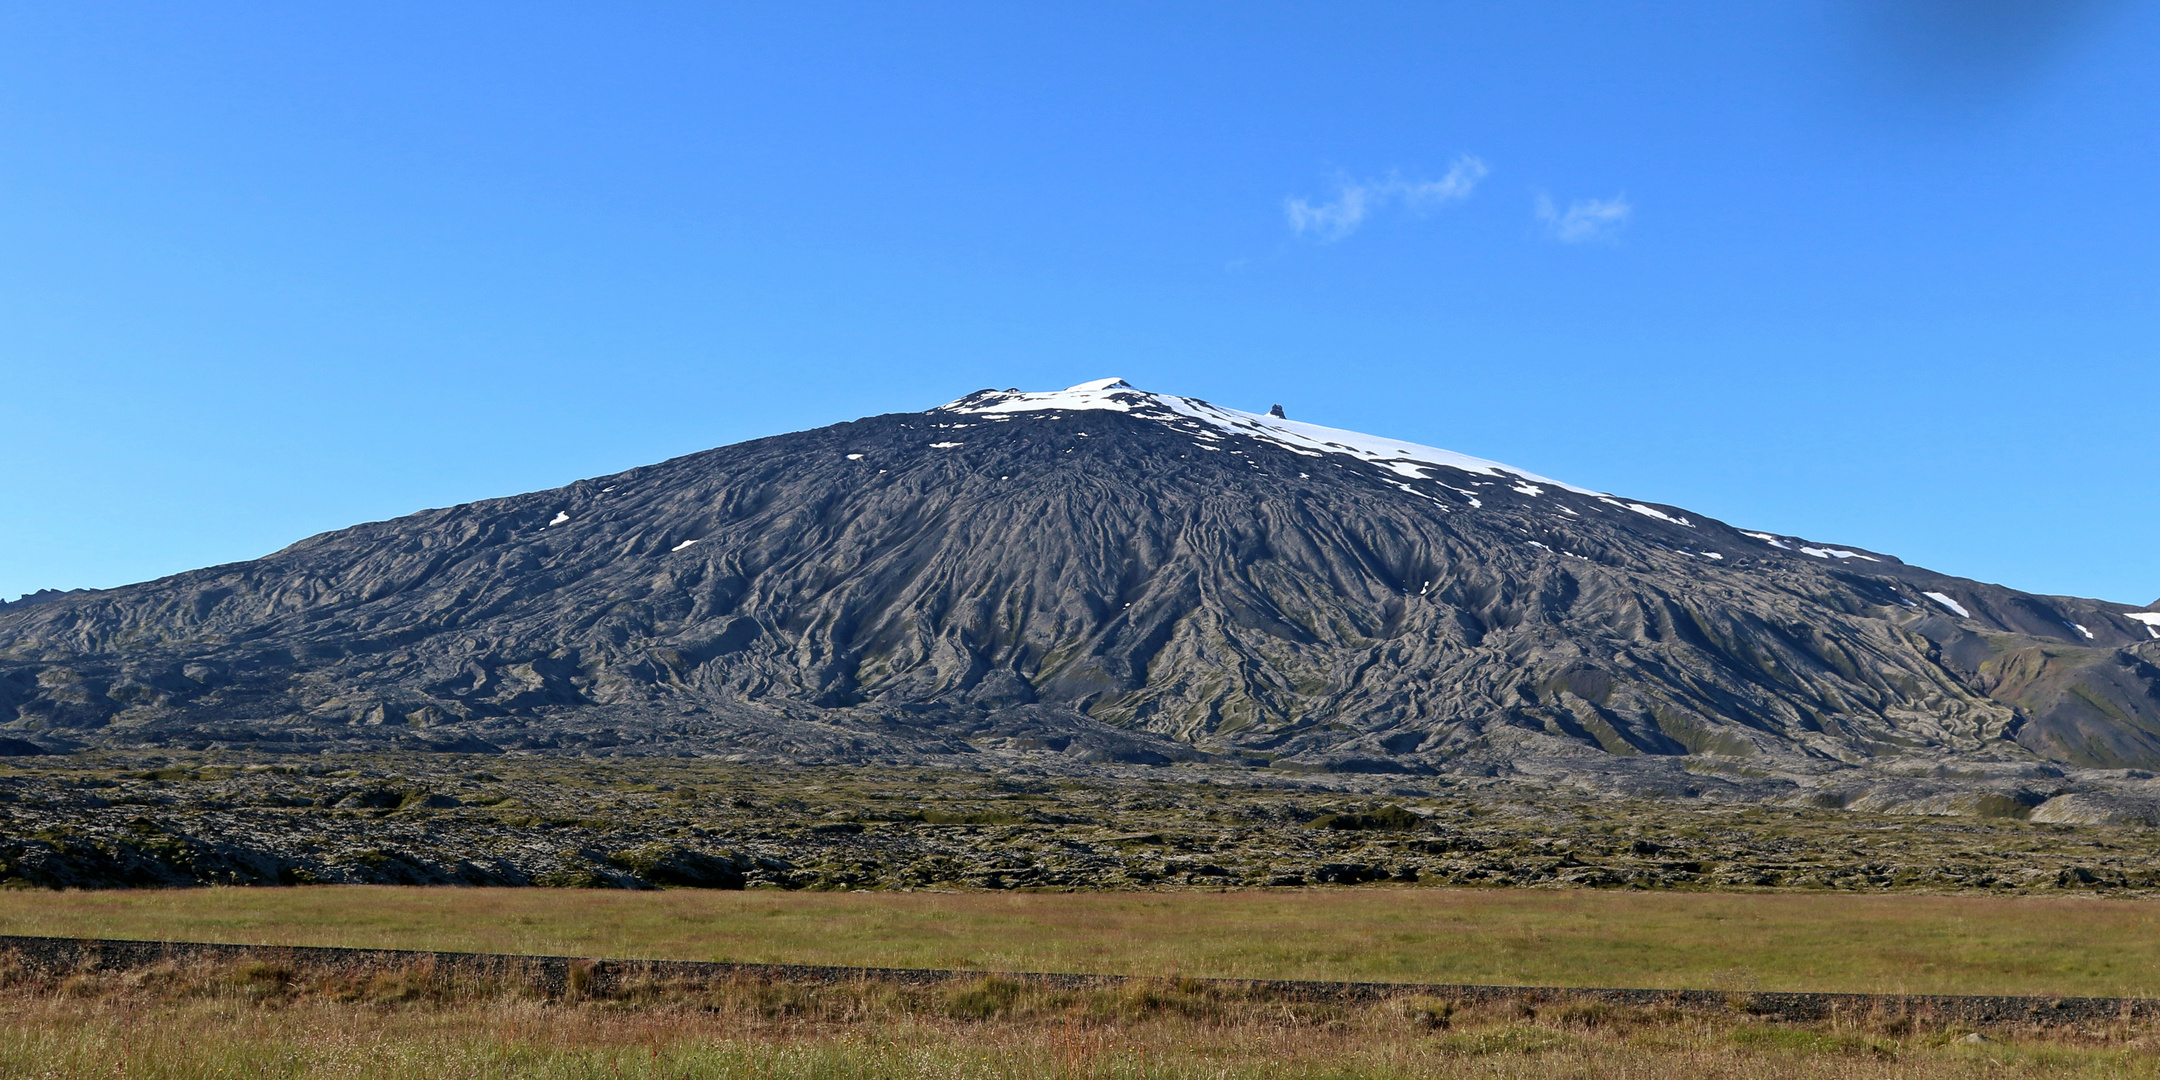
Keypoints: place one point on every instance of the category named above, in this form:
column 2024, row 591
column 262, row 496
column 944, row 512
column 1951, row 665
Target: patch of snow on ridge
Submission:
column 2081, row 630
column 682, row 545
column 1311, row 440
column 1651, row 511
column 1836, row 553
column 943, row 445
column 560, row 517
column 1949, row 603
column 2151, row 619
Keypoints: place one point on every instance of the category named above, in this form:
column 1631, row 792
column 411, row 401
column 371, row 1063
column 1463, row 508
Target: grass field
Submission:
column 1763, row 941
column 256, row 1019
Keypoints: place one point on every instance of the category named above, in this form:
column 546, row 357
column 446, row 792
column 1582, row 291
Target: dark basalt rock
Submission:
column 1387, row 817
column 39, row 597
column 1091, row 589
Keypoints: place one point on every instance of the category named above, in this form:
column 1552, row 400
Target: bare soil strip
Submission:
column 577, row 976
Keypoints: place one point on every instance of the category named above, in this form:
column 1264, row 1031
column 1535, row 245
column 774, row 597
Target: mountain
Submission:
column 1103, row 574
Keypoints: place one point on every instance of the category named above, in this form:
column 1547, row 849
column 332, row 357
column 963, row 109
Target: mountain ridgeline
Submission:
column 1097, row 575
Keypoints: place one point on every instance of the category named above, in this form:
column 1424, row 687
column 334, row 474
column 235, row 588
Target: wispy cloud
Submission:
column 1584, row 219
column 1356, row 200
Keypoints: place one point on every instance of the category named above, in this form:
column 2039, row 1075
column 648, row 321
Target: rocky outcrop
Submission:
column 103, row 821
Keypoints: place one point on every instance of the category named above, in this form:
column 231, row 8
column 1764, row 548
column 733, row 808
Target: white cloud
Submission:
column 1356, row 200
column 1332, row 220
column 1584, row 219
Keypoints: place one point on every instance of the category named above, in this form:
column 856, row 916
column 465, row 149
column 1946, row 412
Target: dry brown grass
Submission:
column 1905, row 943
column 261, row 1019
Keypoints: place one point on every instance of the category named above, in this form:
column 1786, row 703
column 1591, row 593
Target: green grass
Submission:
column 1760, row 941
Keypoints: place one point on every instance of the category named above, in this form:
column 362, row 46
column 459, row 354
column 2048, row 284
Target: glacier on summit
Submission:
column 1313, row 440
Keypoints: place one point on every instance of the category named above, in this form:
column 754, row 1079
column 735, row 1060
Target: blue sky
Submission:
column 1880, row 273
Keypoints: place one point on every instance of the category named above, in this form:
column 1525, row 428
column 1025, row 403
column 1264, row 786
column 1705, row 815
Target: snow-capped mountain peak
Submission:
column 1312, row 440
column 1029, row 574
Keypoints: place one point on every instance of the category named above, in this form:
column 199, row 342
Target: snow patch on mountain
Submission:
column 1949, row 603
column 2151, row 619
column 1310, row 440
column 1836, row 553
column 1652, row 512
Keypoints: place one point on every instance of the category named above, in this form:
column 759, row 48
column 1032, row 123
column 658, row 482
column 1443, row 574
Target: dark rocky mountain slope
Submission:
column 1101, row 574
